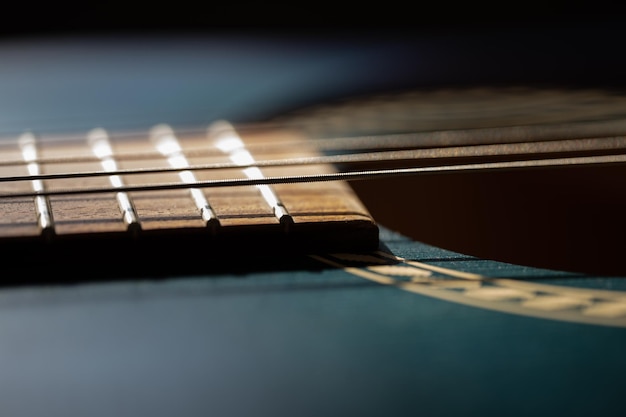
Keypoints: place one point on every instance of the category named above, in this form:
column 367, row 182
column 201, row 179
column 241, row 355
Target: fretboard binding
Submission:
column 98, row 140
column 43, row 209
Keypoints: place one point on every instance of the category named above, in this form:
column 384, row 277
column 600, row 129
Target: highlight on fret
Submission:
column 227, row 140
column 28, row 147
column 98, row 140
column 167, row 144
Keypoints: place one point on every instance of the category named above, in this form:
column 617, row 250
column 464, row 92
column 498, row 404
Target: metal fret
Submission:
column 98, row 140
column 28, row 147
column 228, row 141
column 167, row 144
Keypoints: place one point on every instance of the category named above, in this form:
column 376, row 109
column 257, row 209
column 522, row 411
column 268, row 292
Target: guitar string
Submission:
column 420, row 139
column 338, row 176
column 535, row 148
column 610, row 144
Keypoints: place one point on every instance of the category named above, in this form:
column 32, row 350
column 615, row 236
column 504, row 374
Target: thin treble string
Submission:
column 337, row 176
column 429, row 155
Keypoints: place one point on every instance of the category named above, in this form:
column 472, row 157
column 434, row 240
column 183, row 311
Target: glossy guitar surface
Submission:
column 408, row 328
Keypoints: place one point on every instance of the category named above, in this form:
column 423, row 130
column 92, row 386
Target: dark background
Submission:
column 516, row 42
column 323, row 19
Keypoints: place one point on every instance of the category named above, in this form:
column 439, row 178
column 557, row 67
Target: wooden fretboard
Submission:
column 302, row 217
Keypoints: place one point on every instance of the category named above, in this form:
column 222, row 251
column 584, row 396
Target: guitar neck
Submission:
column 305, row 217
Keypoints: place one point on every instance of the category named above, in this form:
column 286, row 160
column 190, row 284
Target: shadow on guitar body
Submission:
column 162, row 256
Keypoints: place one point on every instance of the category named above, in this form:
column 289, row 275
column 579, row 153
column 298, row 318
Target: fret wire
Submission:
column 43, row 209
column 341, row 176
column 517, row 149
column 228, row 141
column 165, row 141
column 98, row 140
column 416, row 140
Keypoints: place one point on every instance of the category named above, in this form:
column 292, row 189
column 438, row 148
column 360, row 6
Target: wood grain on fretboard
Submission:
column 322, row 216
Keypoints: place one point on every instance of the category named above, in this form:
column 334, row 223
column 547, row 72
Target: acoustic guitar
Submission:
column 381, row 250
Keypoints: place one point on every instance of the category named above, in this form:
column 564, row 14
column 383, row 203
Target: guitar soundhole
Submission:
column 569, row 220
